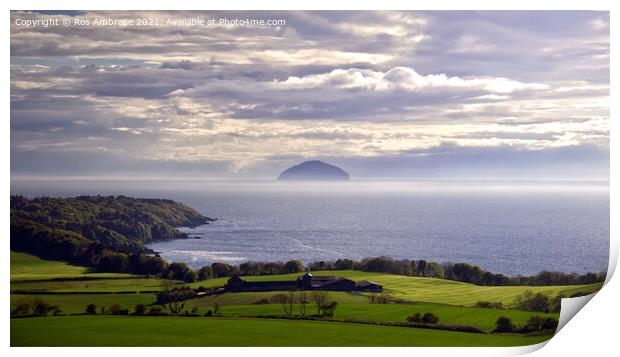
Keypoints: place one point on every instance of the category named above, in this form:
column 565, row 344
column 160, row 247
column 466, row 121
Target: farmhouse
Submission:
column 305, row 282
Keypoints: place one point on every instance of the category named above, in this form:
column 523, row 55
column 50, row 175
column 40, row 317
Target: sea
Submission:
column 508, row 227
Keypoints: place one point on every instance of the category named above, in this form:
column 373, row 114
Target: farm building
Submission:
column 305, row 282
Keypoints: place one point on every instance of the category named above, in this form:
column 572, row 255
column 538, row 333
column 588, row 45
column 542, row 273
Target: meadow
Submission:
column 73, row 288
column 430, row 290
column 201, row 331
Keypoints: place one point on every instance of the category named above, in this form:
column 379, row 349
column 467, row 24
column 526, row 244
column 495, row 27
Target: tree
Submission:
column 302, row 300
column 329, row 308
column 343, row 264
column 319, row 298
column 272, row 268
column 430, row 318
column 190, row 276
column 529, row 301
column 504, row 324
column 221, row 270
column 293, row 266
column 175, row 308
column 284, row 301
column 91, row 309
column 534, row 323
column 178, row 271
column 550, row 323
column 22, row 309
column 140, row 309
column 206, row 272
column 113, row 262
column 417, row 317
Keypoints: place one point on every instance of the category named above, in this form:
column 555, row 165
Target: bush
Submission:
column 490, row 305
column 262, row 301
column 205, row 273
column 22, row 309
column 539, row 323
column 36, row 307
column 504, row 324
column 329, row 308
column 529, row 301
column 140, row 309
column 156, row 311
column 190, row 276
column 415, row 318
column 550, row 323
column 117, row 309
column 430, row 318
column 177, row 271
column 293, row 266
column 91, row 309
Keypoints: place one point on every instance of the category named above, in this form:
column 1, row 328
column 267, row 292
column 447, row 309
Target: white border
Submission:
column 591, row 332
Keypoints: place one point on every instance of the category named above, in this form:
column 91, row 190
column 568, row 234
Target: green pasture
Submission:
column 251, row 298
column 198, row 331
column 89, row 286
column 76, row 303
column 449, row 315
column 29, row 267
column 430, row 290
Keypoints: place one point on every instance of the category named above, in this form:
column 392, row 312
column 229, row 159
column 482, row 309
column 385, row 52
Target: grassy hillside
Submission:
column 76, row 303
column 449, row 315
column 28, row 267
column 74, row 287
column 430, row 289
column 178, row 331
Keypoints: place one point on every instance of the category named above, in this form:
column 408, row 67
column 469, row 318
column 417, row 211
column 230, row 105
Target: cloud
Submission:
column 372, row 86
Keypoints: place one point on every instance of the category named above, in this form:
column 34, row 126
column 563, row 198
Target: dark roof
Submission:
column 269, row 283
column 334, row 281
column 319, row 278
column 364, row 283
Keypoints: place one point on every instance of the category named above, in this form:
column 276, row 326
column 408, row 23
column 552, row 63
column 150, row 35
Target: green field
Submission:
column 178, row 331
column 431, row 290
column 89, row 286
column 28, row 267
column 76, row 303
column 73, row 288
column 449, row 315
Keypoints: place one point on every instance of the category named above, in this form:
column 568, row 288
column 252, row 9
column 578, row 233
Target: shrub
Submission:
column 41, row 308
column 117, row 309
column 262, row 301
column 430, row 318
column 415, row 318
column 490, row 305
column 177, row 271
column 539, row 323
column 329, row 308
column 22, row 309
column 140, row 309
column 550, row 323
column 504, row 324
column 156, row 311
column 91, row 309
column 190, row 276
column 293, row 266
column 205, row 273
column 529, row 301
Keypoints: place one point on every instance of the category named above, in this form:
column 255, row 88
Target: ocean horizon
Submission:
column 514, row 227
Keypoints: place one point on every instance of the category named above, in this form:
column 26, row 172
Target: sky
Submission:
column 382, row 94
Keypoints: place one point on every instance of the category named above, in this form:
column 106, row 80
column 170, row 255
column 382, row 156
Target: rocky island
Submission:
column 314, row 171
